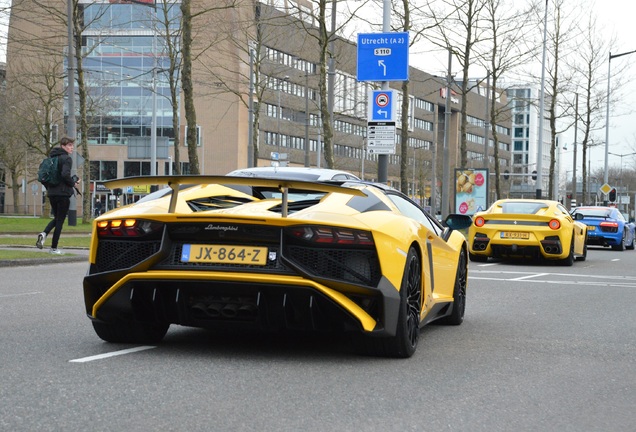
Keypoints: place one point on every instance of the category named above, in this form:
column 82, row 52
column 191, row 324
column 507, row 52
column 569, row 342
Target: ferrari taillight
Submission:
column 554, row 224
column 479, row 221
column 332, row 235
column 126, row 228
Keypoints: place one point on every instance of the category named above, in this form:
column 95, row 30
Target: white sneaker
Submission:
column 41, row 239
column 55, row 252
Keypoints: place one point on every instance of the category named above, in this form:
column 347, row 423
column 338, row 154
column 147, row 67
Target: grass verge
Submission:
column 29, row 224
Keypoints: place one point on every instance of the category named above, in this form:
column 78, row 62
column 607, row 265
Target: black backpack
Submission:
column 49, row 172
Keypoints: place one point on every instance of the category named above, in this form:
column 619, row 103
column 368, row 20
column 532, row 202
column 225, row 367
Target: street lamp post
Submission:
column 307, row 164
column 71, row 126
column 609, row 66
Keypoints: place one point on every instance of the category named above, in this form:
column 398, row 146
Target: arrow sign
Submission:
column 383, row 56
column 382, row 106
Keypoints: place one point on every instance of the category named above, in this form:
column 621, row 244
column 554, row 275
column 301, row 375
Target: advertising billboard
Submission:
column 471, row 190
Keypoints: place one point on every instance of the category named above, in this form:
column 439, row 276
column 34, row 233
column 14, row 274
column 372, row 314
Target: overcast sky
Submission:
column 617, row 18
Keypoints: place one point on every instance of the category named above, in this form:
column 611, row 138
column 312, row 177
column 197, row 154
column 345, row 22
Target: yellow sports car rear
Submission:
column 273, row 254
column 527, row 228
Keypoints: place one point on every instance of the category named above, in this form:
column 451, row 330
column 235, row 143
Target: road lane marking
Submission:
column 21, row 294
column 529, row 276
column 624, row 283
column 111, row 354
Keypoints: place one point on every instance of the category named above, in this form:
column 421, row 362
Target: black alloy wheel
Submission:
column 404, row 343
column 456, row 316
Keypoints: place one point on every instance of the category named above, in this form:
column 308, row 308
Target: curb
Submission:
column 39, row 261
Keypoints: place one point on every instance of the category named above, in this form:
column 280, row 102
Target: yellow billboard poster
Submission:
column 471, row 190
column 141, row 189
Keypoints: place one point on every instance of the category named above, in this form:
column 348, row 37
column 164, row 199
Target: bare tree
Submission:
column 589, row 68
column 507, row 28
column 170, row 32
column 561, row 45
column 415, row 20
column 462, row 32
column 18, row 135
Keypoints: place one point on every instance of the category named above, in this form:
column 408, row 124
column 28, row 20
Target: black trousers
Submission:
column 59, row 207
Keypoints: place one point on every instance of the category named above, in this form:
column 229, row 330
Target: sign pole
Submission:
column 383, row 160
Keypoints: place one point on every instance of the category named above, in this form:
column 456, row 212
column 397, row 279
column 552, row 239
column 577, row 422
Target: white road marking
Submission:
column 111, row 354
column 554, row 278
column 21, row 294
column 529, row 276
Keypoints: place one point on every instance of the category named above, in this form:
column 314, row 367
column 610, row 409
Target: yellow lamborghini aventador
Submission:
column 527, row 228
column 275, row 254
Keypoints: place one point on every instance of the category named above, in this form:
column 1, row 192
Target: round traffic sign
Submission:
column 382, row 100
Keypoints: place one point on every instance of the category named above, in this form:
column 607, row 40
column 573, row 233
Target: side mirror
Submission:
column 578, row 216
column 458, row 221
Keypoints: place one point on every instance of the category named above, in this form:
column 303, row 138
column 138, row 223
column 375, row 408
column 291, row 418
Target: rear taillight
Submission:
column 126, row 228
column 609, row 224
column 332, row 235
column 554, row 224
column 479, row 221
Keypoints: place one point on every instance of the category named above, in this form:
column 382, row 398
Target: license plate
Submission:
column 591, row 228
column 224, row 254
column 515, row 235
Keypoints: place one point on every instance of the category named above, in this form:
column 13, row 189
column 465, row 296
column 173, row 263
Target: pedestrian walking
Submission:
column 60, row 194
column 98, row 208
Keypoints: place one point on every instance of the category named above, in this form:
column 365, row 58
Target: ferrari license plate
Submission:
column 224, row 254
column 515, row 235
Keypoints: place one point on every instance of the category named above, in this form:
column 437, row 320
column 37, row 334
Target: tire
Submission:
column 631, row 245
column 404, row 343
column 134, row 332
column 584, row 256
column 459, row 293
column 477, row 258
column 621, row 246
column 569, row 260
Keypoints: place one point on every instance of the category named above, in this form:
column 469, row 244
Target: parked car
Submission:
column 301, row 173
column 260, row 252
column 529, row 229
column 606, row 226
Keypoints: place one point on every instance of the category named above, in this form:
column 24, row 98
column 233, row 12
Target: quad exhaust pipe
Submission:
column 479, row 246
column 226, row 308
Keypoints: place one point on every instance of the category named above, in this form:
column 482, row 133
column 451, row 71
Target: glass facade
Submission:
column 124, row 62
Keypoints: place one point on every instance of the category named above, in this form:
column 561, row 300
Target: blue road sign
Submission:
column 381, row 105
column 383, row 56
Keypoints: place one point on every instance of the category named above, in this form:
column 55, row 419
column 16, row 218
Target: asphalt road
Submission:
column 543, row 348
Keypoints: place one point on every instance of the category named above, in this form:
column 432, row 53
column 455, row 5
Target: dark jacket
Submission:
column 64, row 163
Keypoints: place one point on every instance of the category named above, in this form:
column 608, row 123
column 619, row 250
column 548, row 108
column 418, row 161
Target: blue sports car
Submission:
column 606, row 226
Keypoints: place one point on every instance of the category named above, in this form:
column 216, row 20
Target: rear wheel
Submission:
column 584, row 256
column 404, row 343
column 459, row 293
column 134, row 332
column 569, row 260
column 621, row 245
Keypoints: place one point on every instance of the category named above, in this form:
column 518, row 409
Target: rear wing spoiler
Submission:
column 283, row 185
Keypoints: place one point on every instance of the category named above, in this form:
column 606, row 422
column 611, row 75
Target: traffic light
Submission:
column 612, row 195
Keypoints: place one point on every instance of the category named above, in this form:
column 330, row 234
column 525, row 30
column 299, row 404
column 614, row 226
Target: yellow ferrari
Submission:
column 262, row 253
column 527, row 228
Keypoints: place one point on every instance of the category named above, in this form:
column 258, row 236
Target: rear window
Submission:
column 522, row 207
column 602, row 213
